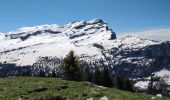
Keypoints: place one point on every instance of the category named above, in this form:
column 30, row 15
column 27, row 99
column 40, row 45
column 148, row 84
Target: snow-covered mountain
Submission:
column 25, row 45
column 93, row 41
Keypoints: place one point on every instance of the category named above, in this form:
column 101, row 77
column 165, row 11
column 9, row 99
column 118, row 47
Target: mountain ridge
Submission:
column 71, row 33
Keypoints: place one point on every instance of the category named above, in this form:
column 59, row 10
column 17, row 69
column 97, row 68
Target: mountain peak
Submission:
column 94, row 21
column 72, row 30
column 82, row 23
column 95, row 26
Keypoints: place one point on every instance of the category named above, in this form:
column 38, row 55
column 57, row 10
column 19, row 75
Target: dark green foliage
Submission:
column 42, row 73
column 102, row 77
column 89, row 74
column 25, row 73
column 119, row 82
column 54, row 74
column 128, row 85
column 72, row 67
column 107, row 81
column 51, row 98
column 98, row 76
column 124, row 83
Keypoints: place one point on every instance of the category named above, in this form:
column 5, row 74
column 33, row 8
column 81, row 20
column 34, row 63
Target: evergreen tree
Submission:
column 102, row 76
column 107, row 81
column 124, row 83
column 42, row 73
column 72, row 67
column 54, row 74
column 119, row 82
column 98, row 76
column 26, row 73
column 89, row 74
column 151, row 87
column 128, row 85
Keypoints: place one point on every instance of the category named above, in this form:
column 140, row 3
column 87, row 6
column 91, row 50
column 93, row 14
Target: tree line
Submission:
column 74, row 69
column 70, row 68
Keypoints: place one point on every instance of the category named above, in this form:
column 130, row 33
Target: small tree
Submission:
column 72, row 67
column 151, row 87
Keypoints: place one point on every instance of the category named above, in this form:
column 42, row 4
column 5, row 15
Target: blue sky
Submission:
column 122, row 15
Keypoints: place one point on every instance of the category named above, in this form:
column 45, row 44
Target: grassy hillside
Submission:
column 39, row 88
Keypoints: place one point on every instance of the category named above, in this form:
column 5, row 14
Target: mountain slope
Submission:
column 39, row 88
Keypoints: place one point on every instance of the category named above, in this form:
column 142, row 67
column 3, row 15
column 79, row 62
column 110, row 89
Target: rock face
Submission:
column 92, row 40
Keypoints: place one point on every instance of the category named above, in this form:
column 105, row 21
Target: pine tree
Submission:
column 107, row 81
column 128, row 85
column 124, row 83
column 42, row 73
column 89, row 74
column 119, row 82
column 98, row 76
column 53, row 74
column 151, row 89
column 102, row 77
column 72, row 67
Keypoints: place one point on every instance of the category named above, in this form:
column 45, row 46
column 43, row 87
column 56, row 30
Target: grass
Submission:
column 39, row 88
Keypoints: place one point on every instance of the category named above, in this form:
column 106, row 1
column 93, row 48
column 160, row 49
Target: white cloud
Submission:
column 155, row 34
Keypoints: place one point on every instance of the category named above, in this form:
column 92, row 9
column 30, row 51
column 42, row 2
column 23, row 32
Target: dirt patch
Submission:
column 51, row 98
column 85, row 93
column 41, row 89
column 62, row 87
column 88, row 84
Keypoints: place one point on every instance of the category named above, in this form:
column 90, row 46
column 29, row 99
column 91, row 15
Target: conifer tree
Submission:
column 128, row 85
column 124, row 83
column 102, row 76
column 119, row 82
column 98, row 76
column 107, row 81
column 72, row 67
column 89, row 74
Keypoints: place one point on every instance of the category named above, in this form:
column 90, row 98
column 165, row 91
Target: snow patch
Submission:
column 104, row 98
